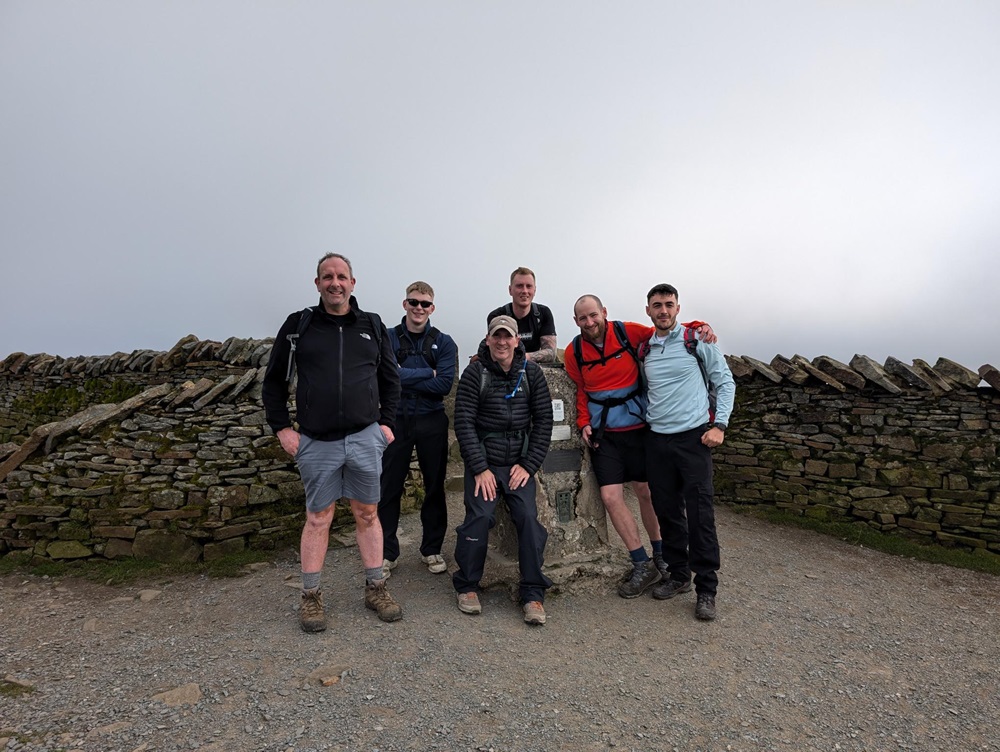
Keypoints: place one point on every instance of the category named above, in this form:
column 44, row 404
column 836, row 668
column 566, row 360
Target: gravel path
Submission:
column 818, row 646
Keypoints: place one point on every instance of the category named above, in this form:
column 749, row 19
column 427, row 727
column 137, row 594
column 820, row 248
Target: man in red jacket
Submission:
column 603, row 362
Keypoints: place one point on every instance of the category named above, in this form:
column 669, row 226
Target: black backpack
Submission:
column 427, row 350
column 306, row 316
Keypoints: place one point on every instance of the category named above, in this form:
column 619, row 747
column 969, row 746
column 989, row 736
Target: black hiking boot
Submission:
column 644, row 575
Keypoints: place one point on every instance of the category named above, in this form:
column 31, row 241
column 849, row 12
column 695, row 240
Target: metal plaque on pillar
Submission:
column 562, row 461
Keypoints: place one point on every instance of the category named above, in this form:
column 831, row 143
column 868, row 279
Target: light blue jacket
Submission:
column 678, row 398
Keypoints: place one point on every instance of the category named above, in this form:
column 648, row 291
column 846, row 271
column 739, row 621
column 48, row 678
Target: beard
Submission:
column 597, row 336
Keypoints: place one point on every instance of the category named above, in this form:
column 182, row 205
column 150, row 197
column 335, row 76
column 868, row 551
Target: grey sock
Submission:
column 310, row 580
column 373, row 575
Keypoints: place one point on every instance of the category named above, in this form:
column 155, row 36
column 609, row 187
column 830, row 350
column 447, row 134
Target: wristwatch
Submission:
column 720, row 426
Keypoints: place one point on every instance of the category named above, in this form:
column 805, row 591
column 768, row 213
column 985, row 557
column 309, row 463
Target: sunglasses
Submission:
column 413, row 303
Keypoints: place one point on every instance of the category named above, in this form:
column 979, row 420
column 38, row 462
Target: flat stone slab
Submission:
column 957, row 373
column 840, row 371
column 763, row 369
column 908, row 374
column 818, row 374
column 874, row 372
column 990, row 375
column 789, row 370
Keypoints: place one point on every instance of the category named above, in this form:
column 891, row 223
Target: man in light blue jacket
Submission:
column 684, row 428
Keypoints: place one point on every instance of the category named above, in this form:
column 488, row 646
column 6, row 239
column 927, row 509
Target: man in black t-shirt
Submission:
column 536, row 327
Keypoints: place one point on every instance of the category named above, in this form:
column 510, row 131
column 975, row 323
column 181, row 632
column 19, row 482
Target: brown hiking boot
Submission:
column 377, row 598
column 311, row 615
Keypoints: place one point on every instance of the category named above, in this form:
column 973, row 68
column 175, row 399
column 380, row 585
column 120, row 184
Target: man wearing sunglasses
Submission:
column 427, row 360
column 503, row 422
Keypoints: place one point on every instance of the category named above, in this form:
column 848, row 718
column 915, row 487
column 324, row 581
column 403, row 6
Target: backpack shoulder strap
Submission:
column 403, row 351
column 623, row 340
column 691, row 341
column 537, row 313
column 305, row 316
column 376, row 323
column 691, row 345
column 430, row 354
column 578, row 352
column 484, row 381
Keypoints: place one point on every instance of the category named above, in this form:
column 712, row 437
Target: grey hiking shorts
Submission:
column 346, row 468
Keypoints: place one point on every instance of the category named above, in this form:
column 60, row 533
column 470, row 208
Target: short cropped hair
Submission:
column 521, row 270
column 662, row 289
column 329, row 256
column 421, row 287
column 583, row 298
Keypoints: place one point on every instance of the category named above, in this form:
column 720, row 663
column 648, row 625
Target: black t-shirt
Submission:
column 537, row 324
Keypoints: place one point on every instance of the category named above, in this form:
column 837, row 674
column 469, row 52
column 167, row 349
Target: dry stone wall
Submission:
column 185, row 469
column 167, row 454
column 905, row 449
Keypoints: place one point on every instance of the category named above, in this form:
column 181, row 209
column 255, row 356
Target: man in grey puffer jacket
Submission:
column 503, row 422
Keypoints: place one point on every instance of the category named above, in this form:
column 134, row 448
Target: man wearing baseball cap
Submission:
column 503, row 422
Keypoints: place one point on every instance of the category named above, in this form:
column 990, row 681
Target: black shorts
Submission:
column 620, row 456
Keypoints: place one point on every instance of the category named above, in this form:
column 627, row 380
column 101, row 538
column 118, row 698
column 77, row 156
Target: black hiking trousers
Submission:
column 679, row 467
column 473, row 535
column 429, row 434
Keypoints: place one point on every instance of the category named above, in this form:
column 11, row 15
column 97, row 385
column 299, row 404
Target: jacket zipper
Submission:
column 340, row 380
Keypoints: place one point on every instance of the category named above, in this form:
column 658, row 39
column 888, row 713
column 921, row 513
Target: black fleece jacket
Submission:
column 340, row 389
column 493, row 412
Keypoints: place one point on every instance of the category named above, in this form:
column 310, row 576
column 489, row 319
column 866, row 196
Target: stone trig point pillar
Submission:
column 569, row 506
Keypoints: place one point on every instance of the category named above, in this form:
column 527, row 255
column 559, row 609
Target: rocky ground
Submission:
column 818, row 646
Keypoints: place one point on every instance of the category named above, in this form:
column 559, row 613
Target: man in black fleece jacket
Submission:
column 346, row 400
column 503, row 422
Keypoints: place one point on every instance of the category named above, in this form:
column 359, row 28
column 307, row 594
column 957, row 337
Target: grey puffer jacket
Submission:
column 498, row 424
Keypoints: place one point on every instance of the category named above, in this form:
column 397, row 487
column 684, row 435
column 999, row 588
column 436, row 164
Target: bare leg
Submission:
column 315, row 539
column 646, row 510
column 368, row 533
column 613, row 497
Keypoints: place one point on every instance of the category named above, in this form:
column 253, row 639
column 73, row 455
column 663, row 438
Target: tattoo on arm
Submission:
column 547, row 353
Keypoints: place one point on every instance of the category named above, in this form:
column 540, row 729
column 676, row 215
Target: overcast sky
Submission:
column 820, row 178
